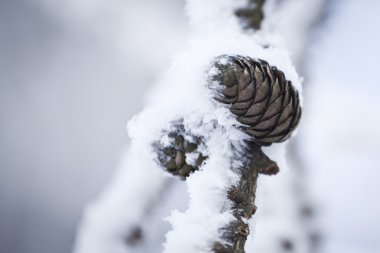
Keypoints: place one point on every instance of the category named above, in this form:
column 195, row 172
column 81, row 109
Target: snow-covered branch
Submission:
column 190, row 134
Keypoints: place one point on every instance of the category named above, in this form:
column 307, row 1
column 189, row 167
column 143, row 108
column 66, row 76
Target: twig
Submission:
column 243, row 197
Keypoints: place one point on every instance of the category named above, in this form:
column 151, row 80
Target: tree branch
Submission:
column 243, row 197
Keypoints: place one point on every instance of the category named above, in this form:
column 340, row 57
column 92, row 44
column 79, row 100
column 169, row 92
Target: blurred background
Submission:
column 72, row 73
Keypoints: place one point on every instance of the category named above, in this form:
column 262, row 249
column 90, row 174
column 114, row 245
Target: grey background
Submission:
column 67, row 90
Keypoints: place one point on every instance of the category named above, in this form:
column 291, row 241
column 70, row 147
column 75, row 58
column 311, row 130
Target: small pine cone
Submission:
column 173, row 155
column 259, row 95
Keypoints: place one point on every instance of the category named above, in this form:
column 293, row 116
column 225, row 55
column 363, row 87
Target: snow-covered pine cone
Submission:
column 178, row 155
column 259, row 95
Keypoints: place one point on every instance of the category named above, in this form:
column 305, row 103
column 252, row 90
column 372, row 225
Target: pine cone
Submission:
column 259, row 95
column 172, row 156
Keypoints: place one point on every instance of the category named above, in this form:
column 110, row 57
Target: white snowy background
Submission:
column 72, row 73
